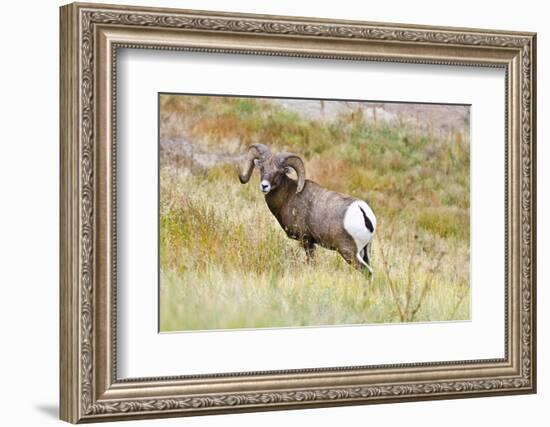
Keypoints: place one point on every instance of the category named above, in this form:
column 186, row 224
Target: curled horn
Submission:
column 255, row 151
column 295, row 162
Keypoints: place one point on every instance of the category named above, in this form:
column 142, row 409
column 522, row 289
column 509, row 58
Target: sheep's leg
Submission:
column 366, row 255
column 352, row 258
column 309, row 247
column 355, row 259
column 363, row 263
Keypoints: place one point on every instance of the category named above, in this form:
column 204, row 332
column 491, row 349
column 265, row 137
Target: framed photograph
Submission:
column 266, row 212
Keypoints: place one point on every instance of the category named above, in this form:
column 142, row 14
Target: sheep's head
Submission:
column 272, row 167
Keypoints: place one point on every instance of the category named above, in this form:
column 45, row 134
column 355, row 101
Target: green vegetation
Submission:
column 226, row 263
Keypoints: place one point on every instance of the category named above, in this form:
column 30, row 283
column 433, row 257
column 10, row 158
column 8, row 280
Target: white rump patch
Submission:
column 354, row 224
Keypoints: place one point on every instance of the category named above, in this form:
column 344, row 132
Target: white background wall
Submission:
column 29, row 171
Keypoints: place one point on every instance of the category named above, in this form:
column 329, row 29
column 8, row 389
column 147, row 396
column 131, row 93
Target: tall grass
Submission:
column 226, row 263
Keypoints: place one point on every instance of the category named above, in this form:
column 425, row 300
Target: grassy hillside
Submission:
column 226, row 263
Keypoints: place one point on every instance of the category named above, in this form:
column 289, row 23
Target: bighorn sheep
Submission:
column 310, row 213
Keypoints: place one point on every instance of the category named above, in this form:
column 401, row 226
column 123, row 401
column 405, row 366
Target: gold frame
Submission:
column 90, row 36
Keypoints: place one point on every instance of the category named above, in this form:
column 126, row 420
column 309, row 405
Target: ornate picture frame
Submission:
column 90, row 37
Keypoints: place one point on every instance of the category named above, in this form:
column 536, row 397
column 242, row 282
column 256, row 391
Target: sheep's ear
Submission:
column 287, row 170
column 300, row 187
column 296, row 163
